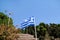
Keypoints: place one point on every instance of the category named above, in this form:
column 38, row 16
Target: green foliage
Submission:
column 41, row 30
column 7, row 32
column 4, row 19
column 52, row 29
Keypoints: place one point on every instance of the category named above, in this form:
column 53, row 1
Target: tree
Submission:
column 41, row 30
column 7, row 32
column 4, row 19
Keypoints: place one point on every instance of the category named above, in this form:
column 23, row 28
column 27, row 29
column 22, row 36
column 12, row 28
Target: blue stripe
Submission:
column 24, row 24
column 27, row 23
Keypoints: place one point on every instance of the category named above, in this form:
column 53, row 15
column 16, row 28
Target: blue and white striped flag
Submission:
column 28, row 22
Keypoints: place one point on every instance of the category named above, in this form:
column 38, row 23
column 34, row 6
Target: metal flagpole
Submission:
column 35, row 29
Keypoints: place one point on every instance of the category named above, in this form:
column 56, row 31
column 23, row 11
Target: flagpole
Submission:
column 35, row 29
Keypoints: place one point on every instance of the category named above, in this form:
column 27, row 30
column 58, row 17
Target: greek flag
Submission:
column 28, row 22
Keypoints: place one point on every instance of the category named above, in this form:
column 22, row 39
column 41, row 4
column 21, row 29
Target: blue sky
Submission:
column 47, row 11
